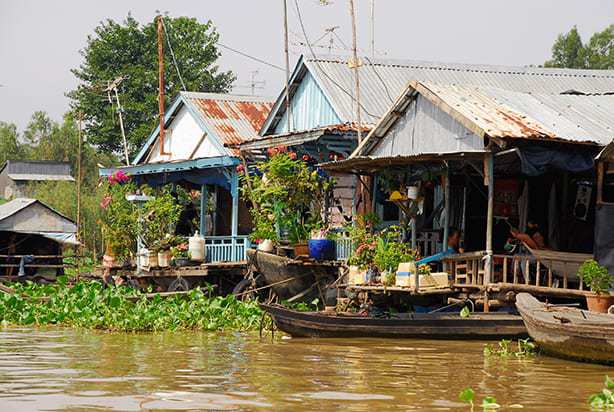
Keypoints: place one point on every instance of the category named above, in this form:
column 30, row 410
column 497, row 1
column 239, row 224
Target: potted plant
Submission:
column 322, row 245
column 390, row 251
column 164, row 250
column 264, row 234
column 181, row 254
column 599, row 281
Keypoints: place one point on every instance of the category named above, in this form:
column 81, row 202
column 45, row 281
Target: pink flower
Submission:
column 106, row 201
column 112, row 180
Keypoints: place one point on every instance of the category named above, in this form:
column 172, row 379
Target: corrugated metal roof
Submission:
column 381, row 80
column 10, row 208
column 233, row 118
column 37, row 170
column 499, row 113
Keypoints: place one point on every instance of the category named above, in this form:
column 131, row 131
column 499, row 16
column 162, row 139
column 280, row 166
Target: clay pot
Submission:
column 301, row 249
column 599, row 303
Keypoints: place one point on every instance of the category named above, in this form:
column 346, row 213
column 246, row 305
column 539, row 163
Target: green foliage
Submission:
column 390, row 250
column 129, row 49
column 569, row 51
column 524, row 349
column 10, row 149
column 603, row 400
column 303, row 306
column 119, row 220
column 90, row 305
column 289, row 196
column 363, row 240
column 467, row 395
column 596, row 276
column 465, row 312
column 160, row 215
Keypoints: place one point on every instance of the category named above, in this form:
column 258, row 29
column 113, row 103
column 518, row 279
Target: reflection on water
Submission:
column 63, row 369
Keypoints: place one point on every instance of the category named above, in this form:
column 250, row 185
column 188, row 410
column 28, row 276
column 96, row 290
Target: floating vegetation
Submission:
column 467, row 395
column 525, row 348
column 603, row 400
column 89, row 304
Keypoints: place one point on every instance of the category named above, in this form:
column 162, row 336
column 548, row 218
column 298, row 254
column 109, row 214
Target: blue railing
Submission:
column 226, row 248
column 344, row 248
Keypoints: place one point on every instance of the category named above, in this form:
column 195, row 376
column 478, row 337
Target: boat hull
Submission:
column 421, row 326
column 568, row 333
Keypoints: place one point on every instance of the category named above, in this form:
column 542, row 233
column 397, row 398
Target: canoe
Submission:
column 567, row 332
column 410, row 325
column 291, row 277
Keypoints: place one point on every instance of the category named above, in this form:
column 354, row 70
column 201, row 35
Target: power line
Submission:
column 300, row 19
column 251, row 57
column 168, row 41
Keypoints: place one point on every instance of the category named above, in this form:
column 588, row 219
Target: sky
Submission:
column 40, row 40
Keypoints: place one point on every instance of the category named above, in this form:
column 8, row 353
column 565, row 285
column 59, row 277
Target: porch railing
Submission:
column 344, row 248
column 226, row 249
column 521, row 270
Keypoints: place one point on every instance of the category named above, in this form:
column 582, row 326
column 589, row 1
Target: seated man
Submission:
column 533, row 238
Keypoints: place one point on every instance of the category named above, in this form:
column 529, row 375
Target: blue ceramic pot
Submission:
column 322, row 249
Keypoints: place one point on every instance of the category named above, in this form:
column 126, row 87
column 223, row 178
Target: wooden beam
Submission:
column 490, row 181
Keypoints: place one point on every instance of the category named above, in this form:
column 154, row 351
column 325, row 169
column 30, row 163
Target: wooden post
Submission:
column 287, row 58
column 204, row 195
column 161, row 83
column 234, row 190
column 600, row 172
column 489, row 179
column 79, row 122
column 446, row 208
column 414, row 235
column 355, row 65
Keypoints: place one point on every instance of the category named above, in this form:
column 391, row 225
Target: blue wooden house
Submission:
column 202, row 131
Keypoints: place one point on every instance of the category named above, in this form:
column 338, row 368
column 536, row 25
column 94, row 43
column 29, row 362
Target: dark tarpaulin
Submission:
column 604, row 235
column 536, row 161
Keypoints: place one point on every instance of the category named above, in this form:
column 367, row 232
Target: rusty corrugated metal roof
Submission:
column 233, row 118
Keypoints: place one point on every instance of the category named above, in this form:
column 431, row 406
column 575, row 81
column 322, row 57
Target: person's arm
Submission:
column 526, row 239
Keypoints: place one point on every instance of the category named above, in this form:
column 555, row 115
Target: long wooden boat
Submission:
column 291, row 277
column 411, row 325
column 567, row 332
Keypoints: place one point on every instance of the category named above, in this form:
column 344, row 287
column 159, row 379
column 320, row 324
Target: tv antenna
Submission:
column 111, row 89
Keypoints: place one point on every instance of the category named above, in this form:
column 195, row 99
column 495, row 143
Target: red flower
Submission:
column 292, row 155
column 331, row 156
column 306, row 157
column 240, row 168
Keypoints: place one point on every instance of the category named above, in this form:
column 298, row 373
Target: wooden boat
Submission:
column 291, row 277
column 567, row 332
column 410, row 325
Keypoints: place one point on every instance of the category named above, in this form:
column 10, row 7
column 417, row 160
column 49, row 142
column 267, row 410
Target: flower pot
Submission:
column 599, row 303
column 164, row 258
column 182, row 261
column 301, row 249
column 151, row 259
column 357, row 276
column 321, row 249
column 266, row 246
column 388, row 278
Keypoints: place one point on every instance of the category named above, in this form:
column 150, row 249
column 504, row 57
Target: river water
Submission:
column 66, row 369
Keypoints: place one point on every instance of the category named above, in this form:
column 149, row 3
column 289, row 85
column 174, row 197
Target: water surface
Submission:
column 66, row 369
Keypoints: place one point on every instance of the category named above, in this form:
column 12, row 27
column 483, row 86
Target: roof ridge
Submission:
column 469, row 67
column 227, row 96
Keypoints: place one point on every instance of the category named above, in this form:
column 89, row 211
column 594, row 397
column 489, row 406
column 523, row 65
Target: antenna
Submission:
column 256, row 84
column 112, row 86
column 331, row 37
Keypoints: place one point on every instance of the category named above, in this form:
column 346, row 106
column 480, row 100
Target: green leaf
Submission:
column 465, row 312
column 467, row 395
column 609, row 383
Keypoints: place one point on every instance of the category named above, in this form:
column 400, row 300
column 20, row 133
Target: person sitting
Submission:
column 533, row 238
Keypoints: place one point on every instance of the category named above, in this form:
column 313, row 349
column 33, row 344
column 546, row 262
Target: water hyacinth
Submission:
column 89, row 304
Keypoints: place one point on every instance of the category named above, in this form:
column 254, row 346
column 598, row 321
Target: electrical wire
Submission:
column 168, row 41
column 251, row 57
column 300, row 19
column 380, row 79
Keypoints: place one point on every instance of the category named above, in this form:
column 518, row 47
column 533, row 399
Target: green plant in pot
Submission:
column 599, row 280
column 389, row 253
column 181, row 254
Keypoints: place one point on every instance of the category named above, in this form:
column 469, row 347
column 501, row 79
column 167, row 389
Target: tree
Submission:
column 130, row 50
column 569, row 51
column 10, row 149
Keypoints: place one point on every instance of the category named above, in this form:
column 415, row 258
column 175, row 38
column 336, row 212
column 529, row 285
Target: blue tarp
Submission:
column 536, row 161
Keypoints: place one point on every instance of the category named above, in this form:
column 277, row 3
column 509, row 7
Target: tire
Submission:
column 179, row 285
column 243, row 286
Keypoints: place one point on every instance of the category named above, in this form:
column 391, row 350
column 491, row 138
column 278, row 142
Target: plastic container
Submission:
column 405, row 274
column 164, row 259
column 266, row 245
column 412, row 192
column 196, row 247
column 322, row 249
column 356, row 276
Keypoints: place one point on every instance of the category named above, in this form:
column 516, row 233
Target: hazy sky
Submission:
column 40, row 40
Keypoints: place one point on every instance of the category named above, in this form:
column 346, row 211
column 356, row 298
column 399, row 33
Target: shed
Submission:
column 15, row 175
column 32, row 235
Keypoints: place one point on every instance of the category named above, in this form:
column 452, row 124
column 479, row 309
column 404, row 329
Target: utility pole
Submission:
column 355, row 64
column 79, row 122
column 287, row 56
column 112, row 87
column 161, row 83
column 372, row 28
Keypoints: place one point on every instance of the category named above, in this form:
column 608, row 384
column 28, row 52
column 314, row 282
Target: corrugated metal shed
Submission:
column 382, row 80
column 504, row 114
column 233, row 118
column 37, row 170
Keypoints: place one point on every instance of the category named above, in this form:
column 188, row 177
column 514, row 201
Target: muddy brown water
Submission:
column 66, row 369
